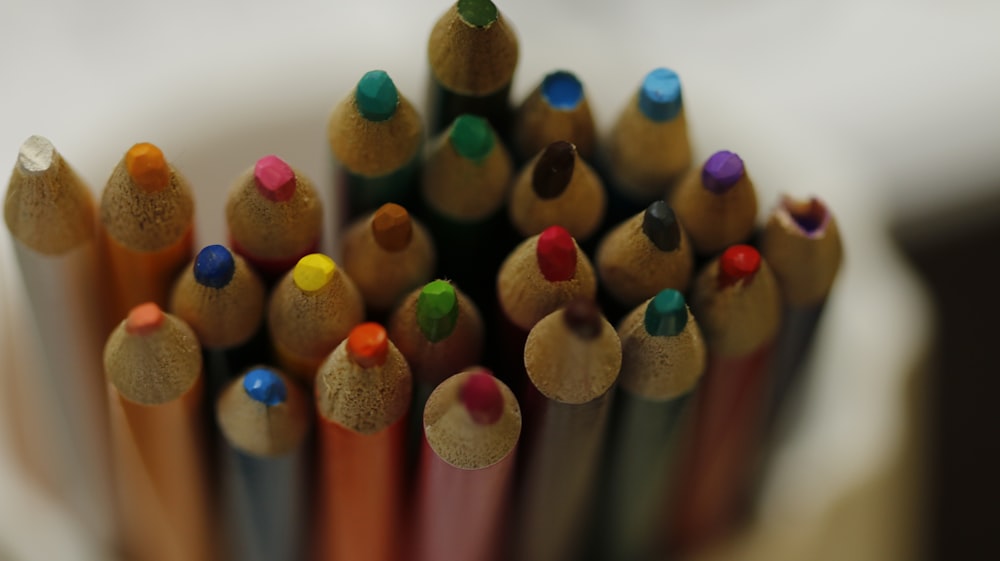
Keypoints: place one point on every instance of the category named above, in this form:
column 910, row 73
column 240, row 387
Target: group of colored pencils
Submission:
column 536, row 344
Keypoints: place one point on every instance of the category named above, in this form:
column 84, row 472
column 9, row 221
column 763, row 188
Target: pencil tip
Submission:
column 554, row 169
column 36, row 155
column 583, row 318
column 471, row 136
column 556, row 254
column 478, row 13
column 660, row 95
column 392, row 227
column 376, row 96
column 313, row 272
column 737, row 263
column 144, row 319
column 666, row 314
column 562, row 90
column 265, row 386
column 214, row 266
column 368, row 345
column 437, row 310
column 660, row 225
column 721, row 171
column 147, row 167
column 481, row 396
column 810, row 215
column 275, row 179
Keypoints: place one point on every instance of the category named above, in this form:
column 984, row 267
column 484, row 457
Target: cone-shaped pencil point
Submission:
column 666, row 314
column 437, row 310
column 275, row 179
column 478, row 13
column 660, row 95
column 313, row 272
column 376, row 96
column 737, row 263
column 214, row 266
column 481, row 397
column 562, row 90
column 144, row 319
column 265, row 386
column 368, row 345
column 556, row 254
column 721, row 171
column 147, row 167
column 554, row 169
column 392, row 227
column 471, row 136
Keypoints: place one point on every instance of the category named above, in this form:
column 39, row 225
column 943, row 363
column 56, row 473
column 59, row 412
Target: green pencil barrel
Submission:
column 445, row 105
column 366, row 194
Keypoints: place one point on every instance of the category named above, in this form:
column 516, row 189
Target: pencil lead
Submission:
column 147, row 167
column 265, row 386
column 437, row 310
column 37, row 155
column 313, row 272
column 471, row 136
column 562, row 90
column 554, row 169
column 660, row 225
column 666, row 314
column 368, row 345
column 583, row 318
column 214, row 266
column 721, row 171
column 477, row 13
column 275, row 179
column 376, row 96
column 144, row 319
column 392, row 227
column 556, row 254
column 737, row 263
column 481, row 397
column 810, row 215
column 660, row 95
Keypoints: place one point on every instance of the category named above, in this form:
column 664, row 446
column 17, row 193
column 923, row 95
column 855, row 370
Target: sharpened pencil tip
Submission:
column 147, row 167
column 368, row 345
column 144, row 319
column 583, row 318
column 660, row 225
column 392, row 227
column 737, row 263
column 666, row 314
column 265, row 386
column 562, row 90
column 482, row 397
column 471, row 136
column 721, row 171
column 554, row 169
column 275, row 179
column 376, row 96
column 556, row 254
column 36, row 155
column 437, row 310
column 660, row 95
column 313, row 272
column 810, row 215
column 478, row 13
column 214, row 266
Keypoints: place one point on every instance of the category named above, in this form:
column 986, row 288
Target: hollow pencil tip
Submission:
column 477, row 13
column 721, row 171
column 368, row 345
column 660, row 225
column 214, row 266
column 275, row 179
column 554, row 169
column 313, row 272
column 265, row 386
column 562, row 90
column 660, row 95
column 437, row 310
column 392, row 227
column 737, row 263
column 144, row 319
column 147, row 167
column 481, row 397
column 811, row 215
column 556, row 254
column 471, row 136
column 36, row 155
column 583, row 318
column 666, row 314
column 376, row 96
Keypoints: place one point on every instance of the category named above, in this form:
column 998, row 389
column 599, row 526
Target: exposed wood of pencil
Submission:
column 158, row 429
column 362, row 426
column 374, row 148
column 579, row 206
column 262, row 430
column 305, row 326
column 538, row 123
column 274, row 234
column 472, row 60
column 526, row 296
column 225, row 317
column 384, row 271
column 801, row 243
column 574, row 376
column 715, row 221
column 147, row 238
column 632, row 268
column 51, row 216
column 466, row 472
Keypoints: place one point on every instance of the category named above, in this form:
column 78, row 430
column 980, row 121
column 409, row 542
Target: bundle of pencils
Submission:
column 561, row 307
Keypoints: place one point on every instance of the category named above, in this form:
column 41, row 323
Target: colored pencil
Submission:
column 274, row 217
column 663, row 357
column 472, row 423
column 312, row 309
column 387, row 253
column 363, row 393
column 147, row 224
column 557, row 187
column 649, row 150
column 556, row 110
column 472, row 53
column 716, row 204
column 736, row 301
column 573, row 357
column 264, row 419
column 153, row 365
column 801, row 243
column 50, row 213
column 645, row 254
column 221, row 298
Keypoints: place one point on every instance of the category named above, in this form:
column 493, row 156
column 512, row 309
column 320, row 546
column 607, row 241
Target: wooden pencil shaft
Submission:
column 555, row 110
